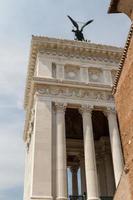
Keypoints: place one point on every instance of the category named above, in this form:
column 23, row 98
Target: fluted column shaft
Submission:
column 109, row 175
column 115, row 145
column 89, row 151
column 61, row 169
column 82, row 173
column 74, row 170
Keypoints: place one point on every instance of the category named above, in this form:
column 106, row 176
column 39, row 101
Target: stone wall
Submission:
column 124, row 106
column 122, row 187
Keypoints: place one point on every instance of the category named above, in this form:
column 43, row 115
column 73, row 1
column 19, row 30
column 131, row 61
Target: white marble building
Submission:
column 71, row 120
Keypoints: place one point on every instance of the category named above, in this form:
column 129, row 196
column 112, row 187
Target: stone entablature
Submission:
column 72, row 70
column 80, row 52
column 74, row 93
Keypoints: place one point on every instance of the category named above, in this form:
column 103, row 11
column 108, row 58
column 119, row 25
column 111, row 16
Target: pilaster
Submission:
column 42, row 151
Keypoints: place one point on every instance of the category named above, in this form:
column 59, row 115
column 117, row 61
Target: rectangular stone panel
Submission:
column 42, row 162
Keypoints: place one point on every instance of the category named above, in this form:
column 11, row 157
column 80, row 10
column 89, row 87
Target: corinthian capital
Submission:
column 86, row 109
column 110, row 110
column 60, row 107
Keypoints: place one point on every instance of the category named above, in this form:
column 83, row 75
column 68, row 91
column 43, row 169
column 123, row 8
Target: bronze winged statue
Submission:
column 79, row 32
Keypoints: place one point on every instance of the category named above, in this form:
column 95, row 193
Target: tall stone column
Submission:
column 115, row 144
column 101, row 175
column 89, row 151
column 74, row 170
column 82, row 173
column 61, row 169
column 109, row 174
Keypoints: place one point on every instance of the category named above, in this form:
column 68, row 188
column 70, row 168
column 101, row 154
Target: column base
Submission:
column 61, row 198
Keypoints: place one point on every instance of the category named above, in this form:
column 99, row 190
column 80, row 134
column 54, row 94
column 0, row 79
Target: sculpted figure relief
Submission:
column 79, row 32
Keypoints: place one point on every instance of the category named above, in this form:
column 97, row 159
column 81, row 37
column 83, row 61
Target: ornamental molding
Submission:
column 72, row 83
column 122, row 61
column 84, row 62
column 67, row 48
column 75, row 93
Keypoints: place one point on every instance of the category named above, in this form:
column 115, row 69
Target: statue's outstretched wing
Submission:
column 90, row 21
column 73, row 22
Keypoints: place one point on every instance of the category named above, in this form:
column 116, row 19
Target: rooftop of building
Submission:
column 67, row 48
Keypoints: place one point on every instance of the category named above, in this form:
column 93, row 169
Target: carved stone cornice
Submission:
column 78, row 84
column 68, row 49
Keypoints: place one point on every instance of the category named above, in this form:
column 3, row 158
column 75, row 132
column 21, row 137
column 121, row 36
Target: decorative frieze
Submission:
column 74, row 93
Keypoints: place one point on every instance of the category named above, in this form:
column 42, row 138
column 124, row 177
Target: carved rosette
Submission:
column 72, row 72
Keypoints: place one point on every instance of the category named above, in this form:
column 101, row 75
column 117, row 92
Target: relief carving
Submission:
column 95, row 75
column 75, row 93
column 30, row 129
column 72, row 72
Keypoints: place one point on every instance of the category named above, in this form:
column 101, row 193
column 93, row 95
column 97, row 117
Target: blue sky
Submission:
column 19, row 19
